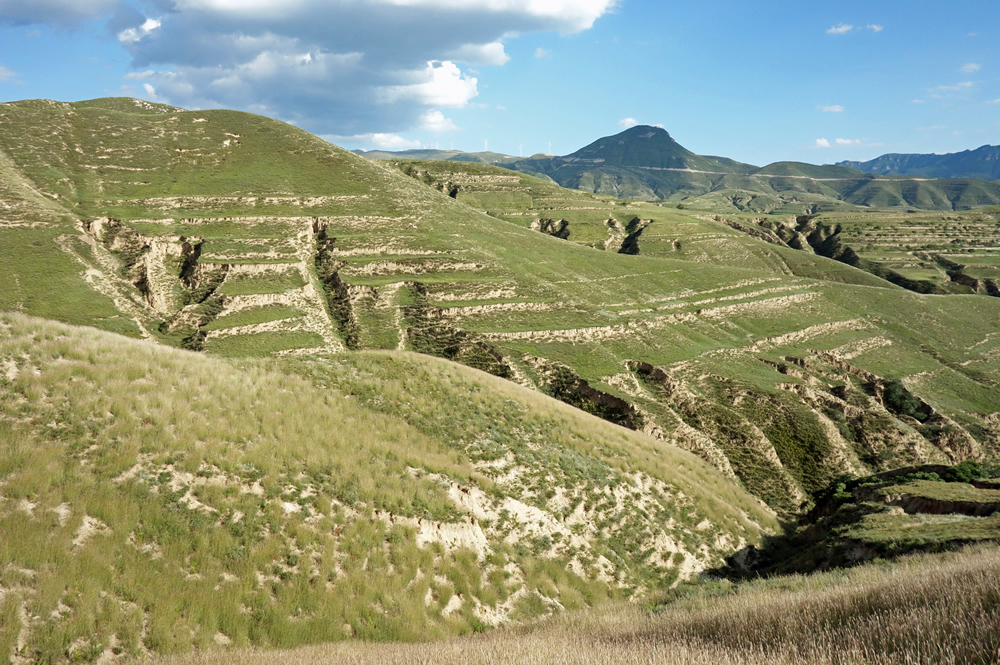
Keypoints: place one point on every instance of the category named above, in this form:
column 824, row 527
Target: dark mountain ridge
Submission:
column 983, row 163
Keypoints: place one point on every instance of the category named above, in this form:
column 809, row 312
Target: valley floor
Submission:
column 941, row 608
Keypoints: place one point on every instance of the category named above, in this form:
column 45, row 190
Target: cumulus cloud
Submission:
column 377, row 141
column 61, row 13
column 542, row 52
column 625, row 123
column 845, row 142
column 435, row 121
column 875, row 27
column 6, row 74
column 440, row 84
column 481, row 54
column 132, row 35
column 831, row 108
column 336, row 67
column 970, row 68
column 821, row 143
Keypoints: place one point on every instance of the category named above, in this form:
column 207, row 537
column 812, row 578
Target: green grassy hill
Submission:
column 699, row 334
column 158, row 499
column 241, row 237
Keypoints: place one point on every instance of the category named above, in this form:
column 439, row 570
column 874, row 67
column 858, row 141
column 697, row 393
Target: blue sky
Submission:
column 755, row 81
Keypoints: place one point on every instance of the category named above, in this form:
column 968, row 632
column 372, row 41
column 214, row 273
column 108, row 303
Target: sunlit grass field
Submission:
column 921, row 609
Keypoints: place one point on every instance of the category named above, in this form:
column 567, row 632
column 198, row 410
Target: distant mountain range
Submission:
column 441, row 155
column 646, row 163
column 983, row 163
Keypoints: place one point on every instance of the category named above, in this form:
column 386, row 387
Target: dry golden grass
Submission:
column 924, row 609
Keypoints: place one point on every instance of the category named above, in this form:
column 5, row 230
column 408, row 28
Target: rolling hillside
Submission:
column 295, row 279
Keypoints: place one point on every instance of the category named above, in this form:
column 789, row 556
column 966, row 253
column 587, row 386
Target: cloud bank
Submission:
column 337, row 67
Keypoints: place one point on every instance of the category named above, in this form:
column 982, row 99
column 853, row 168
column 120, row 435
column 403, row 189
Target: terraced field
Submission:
column 305, row 450
column 956, row 253
column 728, row 336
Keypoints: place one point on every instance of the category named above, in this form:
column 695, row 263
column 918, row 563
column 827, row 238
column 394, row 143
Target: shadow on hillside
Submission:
column 833, row 533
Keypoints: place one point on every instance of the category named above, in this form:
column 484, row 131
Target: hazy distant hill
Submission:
column 642, row 162
column 646, row 163
column 983, row 163
column 442, row 155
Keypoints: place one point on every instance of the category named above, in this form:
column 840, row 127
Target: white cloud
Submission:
column 970, row 68
column 916, row 101
column 481, row 54
column 964, row 85
column 150, row 90
column 376, row 140
column 6, row 74
column 625, row 123
column 831, row 108
column 569, row 16
column 992, row 101
column 435, row 121
column 542, row 52
column 875, row 27
column 840, row 29
column 336, row 67
column 132, row 35
column 440, row 84
column 846, row 142
column 821, row 143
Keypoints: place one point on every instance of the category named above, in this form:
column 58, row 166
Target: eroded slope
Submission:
column 689, row 329
column 155, row 500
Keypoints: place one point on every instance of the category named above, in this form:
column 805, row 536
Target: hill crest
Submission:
column 983, row 163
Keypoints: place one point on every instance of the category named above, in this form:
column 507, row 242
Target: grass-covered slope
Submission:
column 155, row 500
column 771, row 362
column 940, row 609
